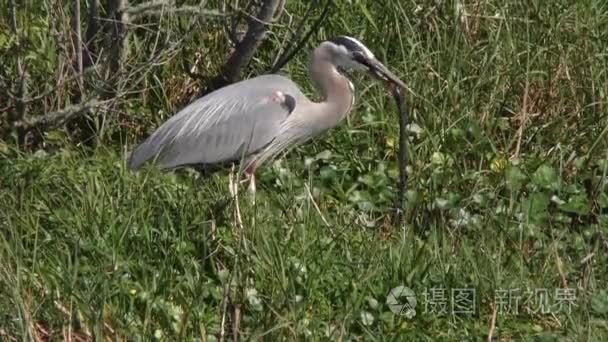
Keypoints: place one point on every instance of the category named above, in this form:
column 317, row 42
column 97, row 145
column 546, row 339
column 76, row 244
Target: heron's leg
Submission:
column 252, row 185
column 250, row 176
column 232, row 185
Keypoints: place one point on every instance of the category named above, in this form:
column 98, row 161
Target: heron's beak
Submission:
column 381, row 72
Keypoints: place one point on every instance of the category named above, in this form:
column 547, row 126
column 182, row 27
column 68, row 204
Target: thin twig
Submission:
column 493, row 322
column 587, row 258
column 59, row 117
column 280, row 10
column 21, row 91
column 236, row 322
column 47, row 92
column 498, row 17
column 77, row 44
column 402, row 156
column 69, row 316
column 224, row 310
column 524, row 118
column 169, row 7
column 315, row 205
column 560, row 270
column 92, row 32
column 298, row 31
column 231, row 25
column 315, row 26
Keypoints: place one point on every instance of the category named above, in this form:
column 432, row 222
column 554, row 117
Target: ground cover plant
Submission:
column 505, row 234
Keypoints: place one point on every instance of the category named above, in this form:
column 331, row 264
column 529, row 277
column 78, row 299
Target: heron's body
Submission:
column 256, row 119
column 213, row 130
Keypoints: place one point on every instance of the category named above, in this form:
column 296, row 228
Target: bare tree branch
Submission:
column 168, row 7
column 44, row 94
column 295, row 35
column 21, row 86
column 77, row 43
column 245, row 49
column 60, row 117
column 231, row 27
column 279, row 11
column 115, row 40
column 287, row 56
column 89, row 57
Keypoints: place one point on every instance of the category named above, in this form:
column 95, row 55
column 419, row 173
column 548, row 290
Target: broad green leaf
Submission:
column 535, row 206
column 599, row 302
column 546, row 177
column 515, row 178
column 578, row 204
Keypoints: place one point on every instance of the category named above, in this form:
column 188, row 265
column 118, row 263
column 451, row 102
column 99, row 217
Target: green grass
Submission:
column 88, row 247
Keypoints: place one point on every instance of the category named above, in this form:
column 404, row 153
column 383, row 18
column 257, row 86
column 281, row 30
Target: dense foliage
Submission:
column 507, row 183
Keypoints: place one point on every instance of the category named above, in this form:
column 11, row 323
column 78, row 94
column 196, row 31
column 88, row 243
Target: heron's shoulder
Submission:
column 271, row 81
column 240, row 96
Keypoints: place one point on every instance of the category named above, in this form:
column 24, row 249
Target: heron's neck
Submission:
column 335, row 89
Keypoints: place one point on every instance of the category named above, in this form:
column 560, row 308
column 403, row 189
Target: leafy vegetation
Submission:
column 507, row 203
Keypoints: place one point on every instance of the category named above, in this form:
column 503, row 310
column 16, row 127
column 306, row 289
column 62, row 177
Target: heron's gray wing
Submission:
column 223, row 126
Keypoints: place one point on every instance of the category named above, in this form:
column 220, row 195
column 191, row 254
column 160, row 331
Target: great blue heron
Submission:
column 256, row 119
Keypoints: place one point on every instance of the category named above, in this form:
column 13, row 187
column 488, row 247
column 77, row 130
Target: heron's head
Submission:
column 348, row 53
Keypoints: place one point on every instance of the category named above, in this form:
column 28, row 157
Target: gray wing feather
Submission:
column 226, row 125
